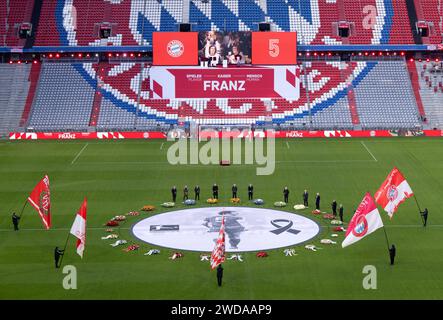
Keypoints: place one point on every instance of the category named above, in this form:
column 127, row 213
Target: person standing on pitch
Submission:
column 317, row 201
column 185, row 193
column 334, row 208
column 250, row 192
column 424, row 214
column 286, row 194
column 305, row 198
column 392, row 252
column 174, row 193
column 219, row 275
column 340, row 212
column 197, row 192
column 234, row 191
column 215, row 191
column 15, row 221
column 57, row 255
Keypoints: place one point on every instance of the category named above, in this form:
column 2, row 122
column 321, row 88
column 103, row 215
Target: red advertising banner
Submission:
column 274, row 48
column 175, row 48
column 209, row 134
column 210, row 83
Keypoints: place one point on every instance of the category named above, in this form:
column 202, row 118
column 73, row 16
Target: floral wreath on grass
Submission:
column 235, row 200
column 189, row 202
column 259, row 202
column 280, row 204
column 168, row 204
column 148, row 208
column 212, row 201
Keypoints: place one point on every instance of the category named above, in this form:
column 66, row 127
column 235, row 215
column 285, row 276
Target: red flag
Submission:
column 394, row 191
column 218, row 254
column 40, row 199
column 365, row 221
column 78, row 228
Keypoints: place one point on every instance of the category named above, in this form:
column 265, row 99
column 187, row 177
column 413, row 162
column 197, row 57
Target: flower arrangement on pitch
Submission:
column 212, row 201
column 119, row 218
column 168, row 204
column 328, row 216
column 148, row 208
column 133, row 213
column 112, row 223
column 279, row 204
column 235, row 200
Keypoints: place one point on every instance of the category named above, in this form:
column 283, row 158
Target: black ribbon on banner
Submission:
column 280, row 229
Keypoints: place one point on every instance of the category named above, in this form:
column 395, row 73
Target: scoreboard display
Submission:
column 274, row 48
column 256, row 48
column 175, row 48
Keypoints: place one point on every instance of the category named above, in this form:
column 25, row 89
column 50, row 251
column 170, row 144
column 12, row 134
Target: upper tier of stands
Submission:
column 380, row 90
column 75, row 22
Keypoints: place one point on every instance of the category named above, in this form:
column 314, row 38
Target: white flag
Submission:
column 78, row 228
column 365, row 221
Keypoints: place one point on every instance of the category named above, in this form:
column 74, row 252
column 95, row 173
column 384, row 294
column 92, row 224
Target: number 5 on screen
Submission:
column 274, row 48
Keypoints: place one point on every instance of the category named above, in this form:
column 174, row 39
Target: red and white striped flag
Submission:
column 218, row 254
column 78, row 228
column 394, row 191
column 40, row 199
column 365, row 221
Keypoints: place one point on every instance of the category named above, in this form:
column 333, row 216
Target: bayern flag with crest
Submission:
column 365, row 221
column 393, row 192
column 137, row 22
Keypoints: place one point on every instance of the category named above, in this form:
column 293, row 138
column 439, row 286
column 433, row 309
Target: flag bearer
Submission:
column 15, row 221
column 57, row 255
column 425, row 217
column 219, row 275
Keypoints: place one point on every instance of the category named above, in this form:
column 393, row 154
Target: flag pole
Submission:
column 23, row 208
column 419, row 209
column 64, row 248
column 387, row 241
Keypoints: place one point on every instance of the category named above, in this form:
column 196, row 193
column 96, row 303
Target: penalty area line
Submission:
column 367, row 149
column 78, row 154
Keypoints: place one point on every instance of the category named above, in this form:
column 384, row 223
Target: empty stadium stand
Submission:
column 357, row 93
column 385, row 97
column 14, row 86
column 431, row 91
column 63, row 99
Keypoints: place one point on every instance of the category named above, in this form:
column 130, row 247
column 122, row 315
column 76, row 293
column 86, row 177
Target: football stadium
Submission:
column 221, row 150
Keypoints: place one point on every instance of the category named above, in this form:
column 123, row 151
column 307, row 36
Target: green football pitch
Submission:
column 122, row 176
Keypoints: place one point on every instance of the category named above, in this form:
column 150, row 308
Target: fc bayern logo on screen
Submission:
column 121, row 83
column 175, row 48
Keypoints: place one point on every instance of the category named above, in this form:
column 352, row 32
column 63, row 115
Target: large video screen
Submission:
column 274, row 48
column 216, row 46
column 175, row 48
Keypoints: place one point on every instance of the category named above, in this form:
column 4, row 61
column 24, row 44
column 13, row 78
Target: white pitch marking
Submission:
column 78, row 154
column 367, row 149
column 161, row 147
column 287, row 144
